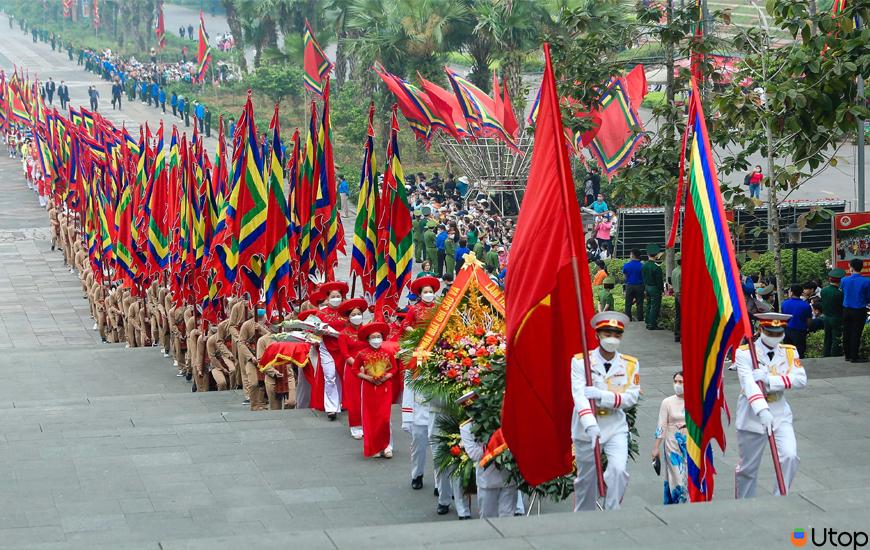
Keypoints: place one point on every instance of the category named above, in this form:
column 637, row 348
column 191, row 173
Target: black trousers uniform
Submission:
column 853, row 328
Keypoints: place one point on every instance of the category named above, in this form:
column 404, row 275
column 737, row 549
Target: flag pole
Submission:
column 774, row 453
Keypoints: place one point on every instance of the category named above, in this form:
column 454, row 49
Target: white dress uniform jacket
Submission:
column 621, row 386
column 784, row 373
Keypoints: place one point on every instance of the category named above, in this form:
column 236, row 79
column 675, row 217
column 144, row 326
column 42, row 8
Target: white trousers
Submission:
column 500, row 502
column 752, row 446
column 419, row 446
column 331, row 395
column 448, row 486
column 615, row 476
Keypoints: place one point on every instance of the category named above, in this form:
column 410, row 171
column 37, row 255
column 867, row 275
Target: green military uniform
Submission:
column 653, row 282
column 479, row 250
column 676, row 283
column 429, row 242
column 419, row 230
column 491, row 261
column 605, row 296
column 450, row 256
column 832, row 315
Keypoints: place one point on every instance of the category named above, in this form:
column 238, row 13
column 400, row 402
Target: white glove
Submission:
column 766, row 420
column 760, row 375
column 594, row 432
column 591, row 392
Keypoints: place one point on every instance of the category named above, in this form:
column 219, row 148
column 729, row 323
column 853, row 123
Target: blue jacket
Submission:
column 154, row 89
column 181, row 104
column 440, row 239
column 200, row 111
column 162, row 96
column 173, row 100
column 856, row 291
column 343, row 187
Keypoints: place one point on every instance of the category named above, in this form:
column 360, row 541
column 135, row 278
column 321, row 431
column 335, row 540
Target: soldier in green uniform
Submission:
column 605, row 295
column 832, row 315
column 653, row 282
column 419, row 230
column 479, row 249
column 676, row 280
column 450, row 252
column 491, row 260
column 429, row 241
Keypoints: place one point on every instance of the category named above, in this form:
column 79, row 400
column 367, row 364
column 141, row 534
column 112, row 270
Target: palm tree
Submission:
column 514, row 28
column 403, row 35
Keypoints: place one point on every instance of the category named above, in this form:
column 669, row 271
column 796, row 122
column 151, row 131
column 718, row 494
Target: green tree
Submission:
column 802, row 102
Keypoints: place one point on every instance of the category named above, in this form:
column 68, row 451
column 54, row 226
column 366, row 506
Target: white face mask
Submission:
column 356, row 320
column 678, row 389
column 376, row 342
column 610, row 344
column 771, row 341
column 335, row 302
column 428, row 297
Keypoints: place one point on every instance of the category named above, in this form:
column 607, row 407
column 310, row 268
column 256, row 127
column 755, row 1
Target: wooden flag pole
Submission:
column 777, row 467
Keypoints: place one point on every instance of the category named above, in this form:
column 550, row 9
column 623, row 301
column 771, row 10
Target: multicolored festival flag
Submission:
column 620, row 132
column 479, row 109
column 395, row 241
column 315, row 63
column 714, row 317
column 203, row 56
column 365, row 237
column 276, row 266
column 548, row 299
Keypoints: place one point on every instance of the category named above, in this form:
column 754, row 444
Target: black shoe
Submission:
column 417, row 483
column 442, row 509
column 435, row 492
column 331, row 416
column 464, row 517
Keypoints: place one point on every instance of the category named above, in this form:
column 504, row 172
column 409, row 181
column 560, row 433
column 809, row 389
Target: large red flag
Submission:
column 547, row 281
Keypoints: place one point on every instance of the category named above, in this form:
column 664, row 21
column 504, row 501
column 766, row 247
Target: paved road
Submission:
column 104, row 447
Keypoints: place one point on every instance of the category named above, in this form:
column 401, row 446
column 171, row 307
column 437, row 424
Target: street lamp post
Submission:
column 794, row 238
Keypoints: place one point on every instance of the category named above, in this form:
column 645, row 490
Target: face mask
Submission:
column 261, row 313
column 356, row 320
column 335, row 302
column 376, row 342
column 610, row 344
column 428, row 297
column 678, row 389
column 771, row 341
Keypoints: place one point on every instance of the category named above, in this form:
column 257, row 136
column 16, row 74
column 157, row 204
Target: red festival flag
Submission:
column 315, row 64
column 543, row 309
column 203, row 57
column 160, row 31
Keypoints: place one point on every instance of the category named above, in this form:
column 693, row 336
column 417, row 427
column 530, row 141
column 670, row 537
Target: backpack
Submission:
column 746, row 179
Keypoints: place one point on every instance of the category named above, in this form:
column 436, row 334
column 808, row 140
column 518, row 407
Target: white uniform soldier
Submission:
column 779, row 370
column 496, row 493
column 415, row 421
column 615, row 387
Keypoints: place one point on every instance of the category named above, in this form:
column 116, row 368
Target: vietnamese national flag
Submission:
column 543, row 311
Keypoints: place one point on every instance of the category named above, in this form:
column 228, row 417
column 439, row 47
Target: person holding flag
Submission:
column 762, row 408
column 615, row 387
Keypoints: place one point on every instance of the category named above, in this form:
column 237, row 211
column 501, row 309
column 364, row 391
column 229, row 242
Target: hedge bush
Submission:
column 810, row 265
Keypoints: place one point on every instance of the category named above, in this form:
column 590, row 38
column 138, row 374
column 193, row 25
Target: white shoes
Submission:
column 387, row 453
column 174, row 362
column 356, row 432
column 95, row 326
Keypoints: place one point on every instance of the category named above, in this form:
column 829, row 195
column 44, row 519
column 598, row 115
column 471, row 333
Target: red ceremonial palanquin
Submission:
column 280, row 354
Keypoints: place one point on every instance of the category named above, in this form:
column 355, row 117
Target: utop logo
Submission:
column 798, row 537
